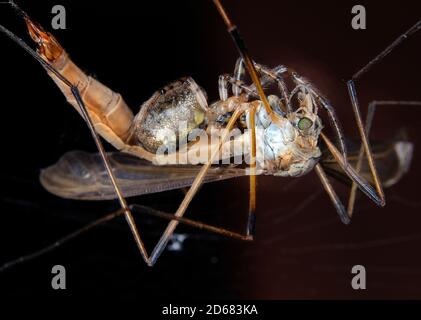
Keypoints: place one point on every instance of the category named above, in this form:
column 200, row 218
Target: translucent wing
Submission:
column 392, row 158
column 81, row 175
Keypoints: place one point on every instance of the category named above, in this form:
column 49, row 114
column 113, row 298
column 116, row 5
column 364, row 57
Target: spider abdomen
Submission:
column 170, row 115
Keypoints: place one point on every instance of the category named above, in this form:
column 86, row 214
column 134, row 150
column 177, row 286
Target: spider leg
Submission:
column 276, row 75
column 223, row 87
column 226, row 79
column 299, row 81
column 150, row 260
column 372, row 107
column 269, row 76
column 239, row 72
column 341, row 157
column 238, row 79
column 237, row 82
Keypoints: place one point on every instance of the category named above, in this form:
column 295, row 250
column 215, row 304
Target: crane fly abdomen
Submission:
column 170, row 115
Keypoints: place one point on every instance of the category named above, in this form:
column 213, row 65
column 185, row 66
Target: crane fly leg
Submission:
column 372, row 107
column 367, row 148
column 355, row 105
column 193, row 190
column 136, row 209
column 190, row 222
column 85, row 114
column 251, row 221
column 339, row 156
column 239, row 42
column 238, row 86
column 49, row 49
column 340, row 209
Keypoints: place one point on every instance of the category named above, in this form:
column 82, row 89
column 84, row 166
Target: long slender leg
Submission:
column 363, row 185
column 135, row 209
column 248, row 90
column 329, row 109
column 354, row 101
column 193, row 190
column 237, row 85
column 239, row 42
column 378, row 197
column 340, row 157
column 276, row 75
column 226, row 79
column 402, row 38
column 190, row 194
column 251, row 220
column 272, row 75
column 372, row 107
column 367, row 148
column 191, row 223
column 223, row 87
column 75, row 91
column 340, row 209
column 239, row 72
column 59, row 242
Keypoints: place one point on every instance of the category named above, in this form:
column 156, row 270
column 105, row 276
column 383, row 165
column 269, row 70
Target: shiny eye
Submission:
column 305, row 123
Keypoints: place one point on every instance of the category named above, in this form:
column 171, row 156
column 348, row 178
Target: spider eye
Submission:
column 305, row 123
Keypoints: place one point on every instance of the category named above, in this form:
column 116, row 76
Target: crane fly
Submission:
column 169, row 143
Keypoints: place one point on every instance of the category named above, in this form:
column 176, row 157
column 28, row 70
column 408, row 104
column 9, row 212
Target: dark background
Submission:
column 301, row 249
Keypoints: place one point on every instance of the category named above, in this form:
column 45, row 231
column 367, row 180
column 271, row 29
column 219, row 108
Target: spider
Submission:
column 281, row 132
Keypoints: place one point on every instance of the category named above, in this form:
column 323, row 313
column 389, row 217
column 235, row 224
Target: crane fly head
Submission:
column 305, row 120
column 290, row 146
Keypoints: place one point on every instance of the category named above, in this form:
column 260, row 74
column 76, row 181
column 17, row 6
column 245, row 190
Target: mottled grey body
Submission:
column 170, row 115
column 288, row 148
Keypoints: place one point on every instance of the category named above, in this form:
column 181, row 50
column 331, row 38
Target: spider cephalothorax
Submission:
column 289, row 147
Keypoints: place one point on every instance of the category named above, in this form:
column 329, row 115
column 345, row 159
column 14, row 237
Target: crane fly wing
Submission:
column 81, row 175
column 392, row 158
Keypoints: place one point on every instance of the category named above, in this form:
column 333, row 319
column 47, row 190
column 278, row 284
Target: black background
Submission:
column 301, row 250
